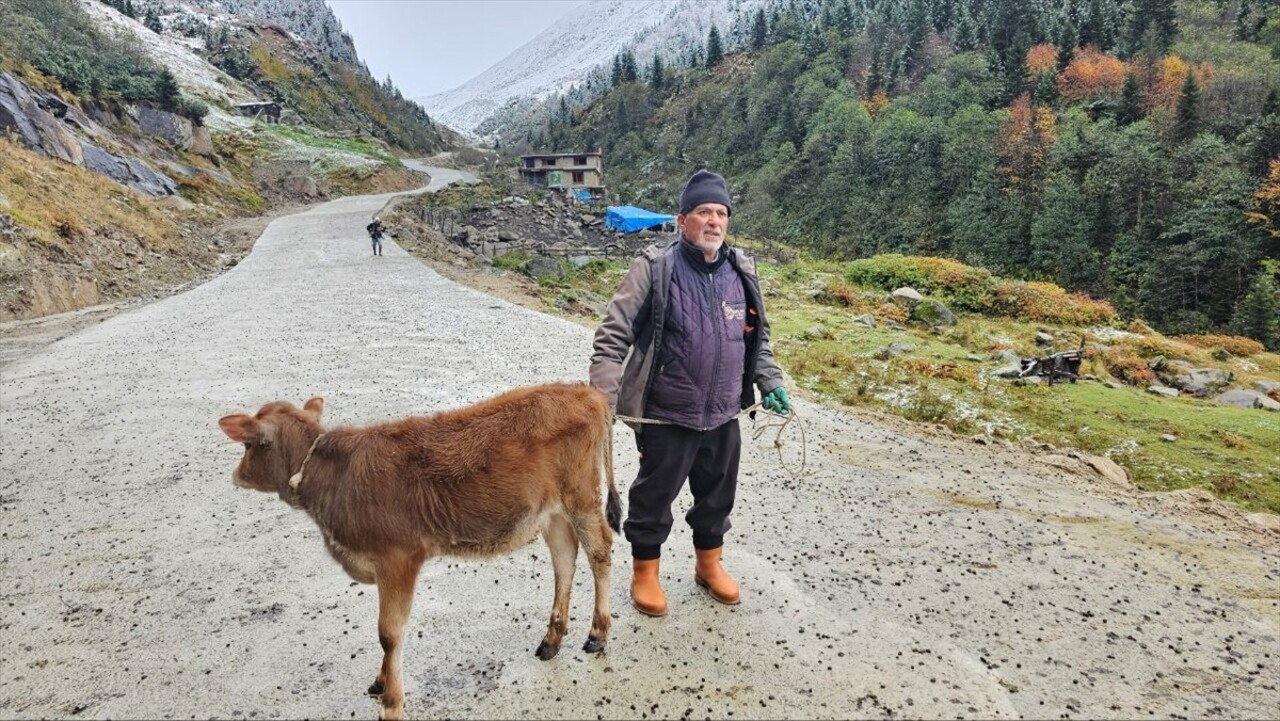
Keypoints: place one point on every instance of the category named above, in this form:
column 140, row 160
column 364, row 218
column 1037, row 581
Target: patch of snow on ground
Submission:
column 194, row 73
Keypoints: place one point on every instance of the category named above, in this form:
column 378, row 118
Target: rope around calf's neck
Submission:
column 296, row 479
column 757, row 430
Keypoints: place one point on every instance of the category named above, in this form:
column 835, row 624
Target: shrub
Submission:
column 510, row 261
column 1048, row 303
column 1123, row 363
column 962, row 286
column 1233, row 344
column 946, row 371
column 191, row 109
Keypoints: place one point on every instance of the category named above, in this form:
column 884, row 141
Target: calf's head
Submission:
column 275, row 442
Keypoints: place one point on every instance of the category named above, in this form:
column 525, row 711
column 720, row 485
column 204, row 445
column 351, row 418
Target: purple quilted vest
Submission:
column 698, row 383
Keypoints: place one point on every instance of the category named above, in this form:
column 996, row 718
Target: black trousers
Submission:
column 669, row 455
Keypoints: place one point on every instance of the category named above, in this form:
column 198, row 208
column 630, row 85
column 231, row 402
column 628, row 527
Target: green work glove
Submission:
column 777, row 401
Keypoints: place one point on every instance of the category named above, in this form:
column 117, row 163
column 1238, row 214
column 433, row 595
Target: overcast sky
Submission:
column 429, row 46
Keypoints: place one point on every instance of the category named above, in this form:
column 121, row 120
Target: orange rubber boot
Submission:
column 711, row 576
column 646, row 591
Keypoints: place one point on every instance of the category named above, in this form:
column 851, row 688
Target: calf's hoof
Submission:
column 593, row 645
column 376, row 688
column 546, row 651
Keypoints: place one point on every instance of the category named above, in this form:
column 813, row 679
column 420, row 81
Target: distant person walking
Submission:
column 684, row 341
column 376, row 230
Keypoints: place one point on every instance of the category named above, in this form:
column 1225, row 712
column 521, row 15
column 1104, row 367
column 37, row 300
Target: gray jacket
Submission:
column 628, row 341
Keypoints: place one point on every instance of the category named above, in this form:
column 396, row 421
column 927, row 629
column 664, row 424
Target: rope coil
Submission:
column 758, row 429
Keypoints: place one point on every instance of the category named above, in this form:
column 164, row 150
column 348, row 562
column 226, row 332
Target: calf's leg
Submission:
column 597, row 540
column 397, row 574
column 563, row 544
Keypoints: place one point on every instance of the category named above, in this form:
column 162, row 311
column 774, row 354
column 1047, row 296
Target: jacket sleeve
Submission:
column 768, row 372
column 615, row 336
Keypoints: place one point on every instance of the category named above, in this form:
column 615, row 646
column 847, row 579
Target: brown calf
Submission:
column 479, row 481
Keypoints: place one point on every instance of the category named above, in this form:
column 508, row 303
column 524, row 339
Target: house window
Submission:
column 577, row 177
column 580, row 160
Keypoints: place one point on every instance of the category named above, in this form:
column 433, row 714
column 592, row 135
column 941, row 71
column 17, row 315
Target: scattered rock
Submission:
column 1241, row 398
column 1007, row 357
column 866, row 320
column 1266, row 387
column 934, row 313
column 894, row 350
column 1114, row 385
column 507, row 236
column 543, row 267
column 1009, row 371
column 1165, row 391
column 1043, row 338
column 908, row 297
column 816, row 332
column 981, row 440
column 1108, row 469
column 1168, row 437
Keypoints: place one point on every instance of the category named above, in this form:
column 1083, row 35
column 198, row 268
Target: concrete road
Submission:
column 904, row 576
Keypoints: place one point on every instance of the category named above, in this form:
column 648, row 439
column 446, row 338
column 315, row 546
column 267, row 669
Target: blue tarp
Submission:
column 629, row 218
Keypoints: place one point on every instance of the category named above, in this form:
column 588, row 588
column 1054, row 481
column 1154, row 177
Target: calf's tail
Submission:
column 613, row 506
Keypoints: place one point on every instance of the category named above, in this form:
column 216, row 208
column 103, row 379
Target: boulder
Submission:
column 1165, row 391
column 1200, row 381
column 933, row 313
column 816, row 332
column 201, row 141
column 580, row 260
column 542, row 267
column 1108, row 469
column 1241, row 398
column 174, row 129
column 127, row 171
column 908, row 297
column 866, row 320
column 1007, row 357
column 304, row 185
column 1008, row 371
column 894, row 350
column 1266, row 387
column 33, row 126
column 1043, row 338
column 508, row 236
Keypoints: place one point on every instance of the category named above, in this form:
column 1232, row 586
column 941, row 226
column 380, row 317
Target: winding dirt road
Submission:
column 905, row 575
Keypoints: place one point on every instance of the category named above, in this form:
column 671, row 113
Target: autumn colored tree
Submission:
column 1090, row 75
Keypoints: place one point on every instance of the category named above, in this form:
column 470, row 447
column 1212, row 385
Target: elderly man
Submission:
column 691, row 315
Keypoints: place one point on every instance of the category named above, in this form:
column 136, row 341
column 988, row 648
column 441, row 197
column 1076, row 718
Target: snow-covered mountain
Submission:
column 587, row 37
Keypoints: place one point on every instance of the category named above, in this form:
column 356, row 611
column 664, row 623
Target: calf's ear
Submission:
column 315, row 407
column 240, row 428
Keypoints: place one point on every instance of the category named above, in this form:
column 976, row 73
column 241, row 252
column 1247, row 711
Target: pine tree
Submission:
column 152, row 21
column 615, row 77
column 129, row 9
column 1187, row 124
column 965, row 36
column 715, row 52
column 167, row 93
column 1257, row 315
column 657, row 76
column 759, row 30
column 1130, row 110
column 630, row 71
column 1153, row 26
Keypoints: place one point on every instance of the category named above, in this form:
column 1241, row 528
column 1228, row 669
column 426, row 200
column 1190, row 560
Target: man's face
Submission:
column 705, row 226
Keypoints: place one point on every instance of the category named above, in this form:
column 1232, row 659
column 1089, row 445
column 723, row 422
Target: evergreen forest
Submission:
column 1129, row 150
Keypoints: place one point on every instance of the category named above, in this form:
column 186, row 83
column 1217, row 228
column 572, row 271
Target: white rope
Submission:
column 296, row 479
column 757, row 431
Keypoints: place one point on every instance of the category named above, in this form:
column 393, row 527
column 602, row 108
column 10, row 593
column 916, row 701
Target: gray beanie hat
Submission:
column 704, row 186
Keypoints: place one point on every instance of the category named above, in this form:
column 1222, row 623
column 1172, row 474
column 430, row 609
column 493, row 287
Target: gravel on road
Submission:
column 906, row 575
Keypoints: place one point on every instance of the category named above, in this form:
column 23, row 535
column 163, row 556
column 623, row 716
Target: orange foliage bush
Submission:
column 948, row 371
column 1122, row 363
column 1049, row 303
column 1091, row 74
column 1233, row 344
